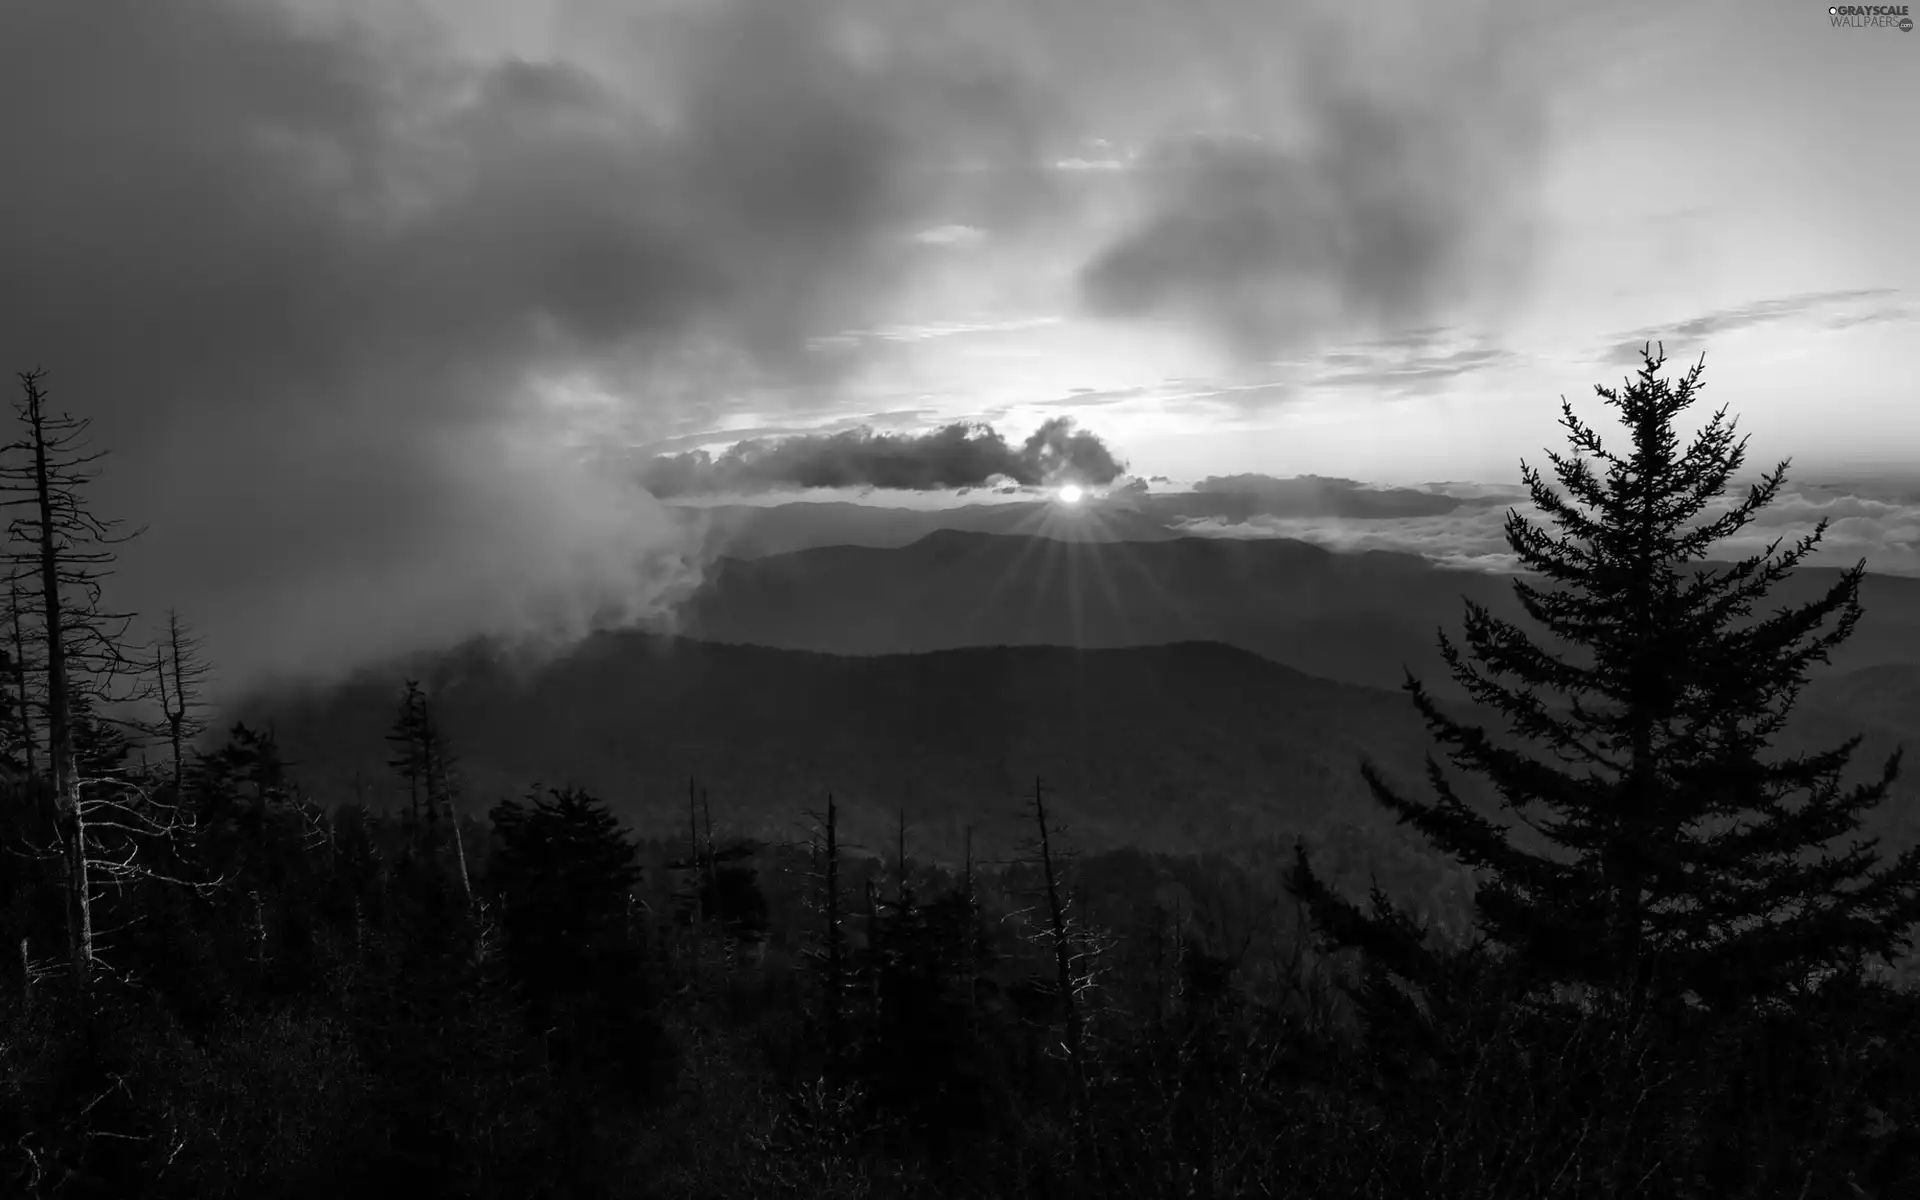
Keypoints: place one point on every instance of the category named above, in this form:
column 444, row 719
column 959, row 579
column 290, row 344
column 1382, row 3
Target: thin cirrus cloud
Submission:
column 1378, row 369
column 1418, row 371
column 1177, row 395
column 1626, row 347
column 1878, row 316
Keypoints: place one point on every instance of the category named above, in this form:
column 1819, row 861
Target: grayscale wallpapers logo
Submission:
column 1862, row 16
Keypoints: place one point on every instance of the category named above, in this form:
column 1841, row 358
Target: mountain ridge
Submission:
column 1194, row 745
column 1239, row 746
column 1357, row 617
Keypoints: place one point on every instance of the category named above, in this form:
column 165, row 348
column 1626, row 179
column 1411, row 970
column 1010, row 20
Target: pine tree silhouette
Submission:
column 412, row 736
column 1688, row 863
column 561, row 876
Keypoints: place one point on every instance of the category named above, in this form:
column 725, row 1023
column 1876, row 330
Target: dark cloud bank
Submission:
column 310, row 279
column 315, row 280
column 956, row 456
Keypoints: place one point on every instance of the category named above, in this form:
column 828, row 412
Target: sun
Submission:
column 1071, row 493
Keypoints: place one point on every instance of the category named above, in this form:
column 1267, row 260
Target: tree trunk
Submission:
column 20, row 677
column 460, row 849
column 1063, row 964
column 60, row 750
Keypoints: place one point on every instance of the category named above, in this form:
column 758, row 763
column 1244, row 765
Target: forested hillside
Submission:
column 1186, row 748
column 1189, row 747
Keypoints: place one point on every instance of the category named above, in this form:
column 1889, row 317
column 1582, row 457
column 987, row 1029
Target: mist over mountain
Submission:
column 756, row 531
column 1449, row 523
column 1357, row 618
column 1131, row 512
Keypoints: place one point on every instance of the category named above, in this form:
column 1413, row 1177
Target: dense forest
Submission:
column 1660, row 964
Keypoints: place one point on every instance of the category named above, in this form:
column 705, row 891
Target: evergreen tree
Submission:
column 428, row 766
column 731, row 894
column 1687, row 862
column 412, row 736
column 561, row 875
column 923, row 1053
column 239, row 793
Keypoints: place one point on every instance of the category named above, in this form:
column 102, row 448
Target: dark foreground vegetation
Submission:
column 1677, row 985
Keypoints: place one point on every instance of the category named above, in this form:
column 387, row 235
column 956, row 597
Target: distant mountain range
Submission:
column 1886, row 695
column 1355, row 618
column 1181, row 694
column 1187, row 747
column 755, row 530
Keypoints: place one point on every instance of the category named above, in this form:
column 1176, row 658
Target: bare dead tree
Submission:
column 61, row 551
column 443, row 789
column 970, row 893
column 105, row 840
column 180, row 675
column 1076, row 949
column 830, row 955
column 697, row 875
column 900, row 857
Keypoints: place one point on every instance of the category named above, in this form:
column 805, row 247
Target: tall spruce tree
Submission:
column 562, row 875
column 1688, row 861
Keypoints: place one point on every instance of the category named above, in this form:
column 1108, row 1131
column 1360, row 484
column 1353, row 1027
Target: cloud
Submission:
column 1467, row 538
column 1179, row 396
column 955, row 456
column 950, row 235
column 1884, row 528
column 318, row 283
column 1626, row 349
column 932, row 330
column 366, row 314
column 1307, row 496
column 1412, row 372
column 1878, row 316
column 1392, row 192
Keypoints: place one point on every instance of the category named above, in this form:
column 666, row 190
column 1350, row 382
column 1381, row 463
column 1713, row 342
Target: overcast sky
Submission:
column 377, row 304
